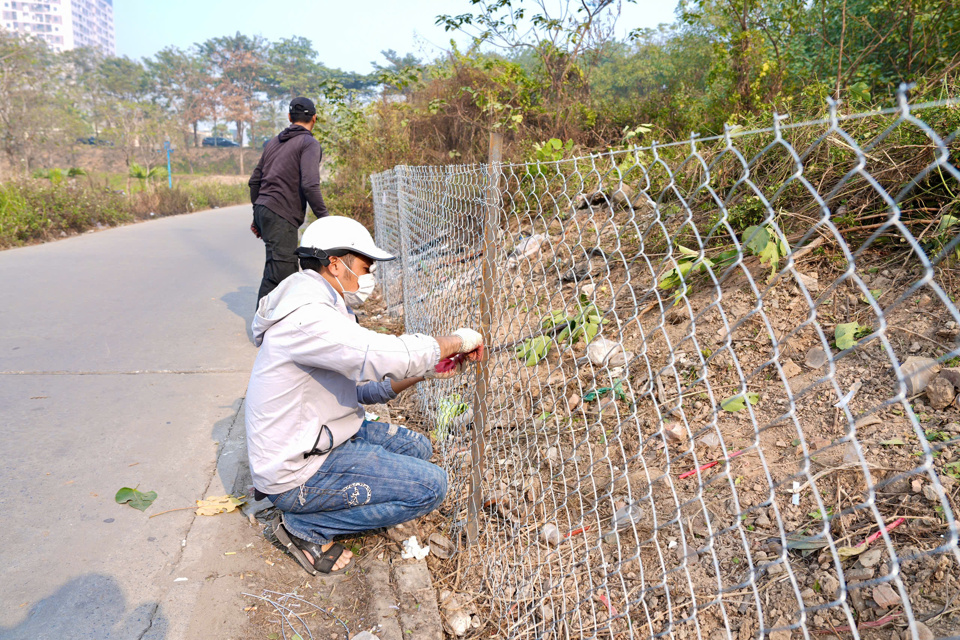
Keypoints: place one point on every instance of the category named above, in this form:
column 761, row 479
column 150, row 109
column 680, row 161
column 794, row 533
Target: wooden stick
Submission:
column 169, row 510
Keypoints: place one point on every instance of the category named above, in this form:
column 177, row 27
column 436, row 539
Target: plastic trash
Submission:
column 627, row 515
column 527, row 248
column 412, row 549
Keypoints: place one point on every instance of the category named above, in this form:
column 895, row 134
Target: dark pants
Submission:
column 280, row 238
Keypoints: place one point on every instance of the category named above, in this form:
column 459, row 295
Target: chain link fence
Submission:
column 720, row 394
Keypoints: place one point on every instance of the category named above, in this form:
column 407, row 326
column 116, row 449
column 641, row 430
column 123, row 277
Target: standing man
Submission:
column 285, row 180
column 327, row 469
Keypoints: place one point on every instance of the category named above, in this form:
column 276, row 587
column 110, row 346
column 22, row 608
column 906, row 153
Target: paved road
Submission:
column 124, row 356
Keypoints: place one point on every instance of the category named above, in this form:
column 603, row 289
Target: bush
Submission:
column 187, row 198
column 32, row 211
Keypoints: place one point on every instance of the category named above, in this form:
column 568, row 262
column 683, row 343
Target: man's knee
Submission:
column 436, row 482
column 424, row 446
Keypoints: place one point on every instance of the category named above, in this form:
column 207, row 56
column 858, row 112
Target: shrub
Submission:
column 32, row 211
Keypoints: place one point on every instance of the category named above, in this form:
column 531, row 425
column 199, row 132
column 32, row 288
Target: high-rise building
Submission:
column 64, row 24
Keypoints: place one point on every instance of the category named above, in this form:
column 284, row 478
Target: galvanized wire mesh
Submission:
column 387, row 233
column 722, row 379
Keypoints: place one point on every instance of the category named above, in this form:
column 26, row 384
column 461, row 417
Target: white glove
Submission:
column 469, row 339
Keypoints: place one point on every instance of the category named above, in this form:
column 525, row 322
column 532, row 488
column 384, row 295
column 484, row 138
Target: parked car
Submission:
column 219, row 142
column 100, row 142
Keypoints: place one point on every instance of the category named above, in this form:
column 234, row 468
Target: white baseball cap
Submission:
column 339, row 234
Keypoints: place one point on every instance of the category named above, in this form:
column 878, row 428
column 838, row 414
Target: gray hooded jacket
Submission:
column 313, row 358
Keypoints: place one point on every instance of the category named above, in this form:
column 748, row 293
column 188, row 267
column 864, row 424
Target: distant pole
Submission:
column 166, row 145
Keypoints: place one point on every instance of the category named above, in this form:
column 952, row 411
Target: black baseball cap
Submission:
column 303, row 105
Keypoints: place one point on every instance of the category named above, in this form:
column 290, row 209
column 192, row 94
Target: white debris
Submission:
column 845, row 400
column 550, row 534
column 607, row 353
column 527, row 248
column 412, row 549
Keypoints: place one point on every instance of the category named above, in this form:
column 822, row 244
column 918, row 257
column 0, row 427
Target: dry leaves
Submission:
column 218, row 504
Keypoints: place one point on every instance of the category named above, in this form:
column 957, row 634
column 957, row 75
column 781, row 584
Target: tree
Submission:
column 145, row 174
column 237, row 66
column 292, row 70
column 30, row 105
column 562, row 33
column 179, row 79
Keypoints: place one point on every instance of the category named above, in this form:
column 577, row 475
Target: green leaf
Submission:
column 738, row 402
column 135, row 499
column 860, row 91
column 534, row 350
column 448, row 408
column 767, row 244
column 590, row 331
column 756, row 239
column 845, row 335
column 946, row 222
column 874, row 295
column 675, row 276
column 952, row 469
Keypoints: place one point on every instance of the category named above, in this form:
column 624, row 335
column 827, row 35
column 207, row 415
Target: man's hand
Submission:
column 253, row 227
column 448, row 368
column 470, row 340
column 462, row 341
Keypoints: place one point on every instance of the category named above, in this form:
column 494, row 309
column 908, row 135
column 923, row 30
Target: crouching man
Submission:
column 329, row 471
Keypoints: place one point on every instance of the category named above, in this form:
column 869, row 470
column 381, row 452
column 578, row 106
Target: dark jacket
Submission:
column 288, row 176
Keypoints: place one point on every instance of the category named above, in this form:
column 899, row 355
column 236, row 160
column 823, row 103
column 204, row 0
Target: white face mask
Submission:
column 365, row 283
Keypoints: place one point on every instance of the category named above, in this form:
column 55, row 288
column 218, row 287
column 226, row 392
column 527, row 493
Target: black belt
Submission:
column 259, row 495
column 320, row 452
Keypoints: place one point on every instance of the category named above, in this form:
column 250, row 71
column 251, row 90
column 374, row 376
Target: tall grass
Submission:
column 35, row 211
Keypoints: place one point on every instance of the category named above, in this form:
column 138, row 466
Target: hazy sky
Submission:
column 348, row 35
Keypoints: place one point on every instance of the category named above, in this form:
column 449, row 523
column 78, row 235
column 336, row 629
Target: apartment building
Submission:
column 64, row 24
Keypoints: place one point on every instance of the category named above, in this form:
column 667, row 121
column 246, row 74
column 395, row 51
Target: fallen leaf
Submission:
column 738, row 402
column 218, row 504
column 849, row 552
column 805, row 543
column 136, row 499
column 846, row 335
column 892, row 442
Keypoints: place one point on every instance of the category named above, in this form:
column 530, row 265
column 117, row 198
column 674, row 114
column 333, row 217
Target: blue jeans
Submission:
column 379, row 478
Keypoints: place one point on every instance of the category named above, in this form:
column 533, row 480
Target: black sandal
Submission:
column 324, row 561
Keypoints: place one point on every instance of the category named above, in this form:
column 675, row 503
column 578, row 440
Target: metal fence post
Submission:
column 490, row 225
